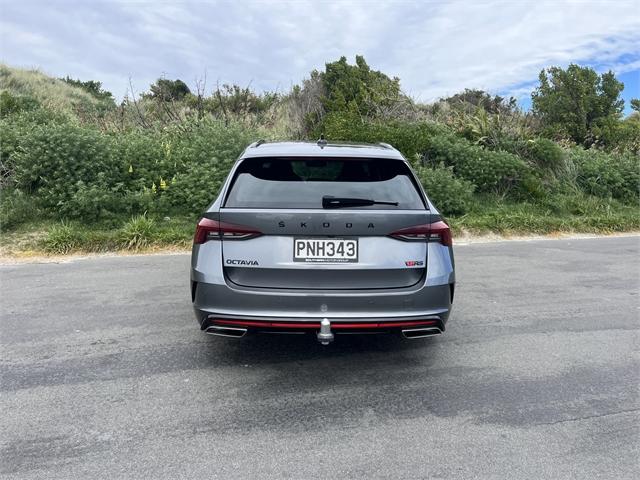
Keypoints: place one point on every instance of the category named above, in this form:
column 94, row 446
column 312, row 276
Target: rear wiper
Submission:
column 342, row 202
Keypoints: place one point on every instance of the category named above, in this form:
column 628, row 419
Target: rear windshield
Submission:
column 302, row 182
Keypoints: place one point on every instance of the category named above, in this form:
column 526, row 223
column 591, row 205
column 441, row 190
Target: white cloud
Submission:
column 436, row 48
column 18, row 35
column 498, row 45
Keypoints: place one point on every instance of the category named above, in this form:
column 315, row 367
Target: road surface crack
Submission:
column 590, row 417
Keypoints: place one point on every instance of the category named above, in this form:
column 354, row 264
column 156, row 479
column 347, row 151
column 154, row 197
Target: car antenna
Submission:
column 322, row 142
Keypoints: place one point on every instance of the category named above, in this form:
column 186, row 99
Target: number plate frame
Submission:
column 325, row 258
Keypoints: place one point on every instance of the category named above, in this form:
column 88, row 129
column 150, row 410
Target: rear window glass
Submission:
column 302, row 182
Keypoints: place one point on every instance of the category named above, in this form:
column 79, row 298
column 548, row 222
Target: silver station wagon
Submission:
column 322, row 238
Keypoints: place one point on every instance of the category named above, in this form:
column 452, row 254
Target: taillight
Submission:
column 208, row 229
column 430, row 232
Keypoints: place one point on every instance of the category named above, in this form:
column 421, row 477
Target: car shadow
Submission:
column 268, row 349
column 293, row 382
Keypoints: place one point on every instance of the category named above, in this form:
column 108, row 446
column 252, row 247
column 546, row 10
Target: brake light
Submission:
column 430, row 232
column 208, row 229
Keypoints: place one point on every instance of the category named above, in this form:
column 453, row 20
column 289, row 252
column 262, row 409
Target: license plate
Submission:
column 325, row 250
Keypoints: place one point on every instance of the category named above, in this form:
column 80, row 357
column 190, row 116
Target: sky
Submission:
column 436, row 48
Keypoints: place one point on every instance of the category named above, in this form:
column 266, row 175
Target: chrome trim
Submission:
column 412, row 333
column 219, row 331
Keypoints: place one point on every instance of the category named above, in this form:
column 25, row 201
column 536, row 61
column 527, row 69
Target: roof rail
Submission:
column 256, row 144
column 386, row 145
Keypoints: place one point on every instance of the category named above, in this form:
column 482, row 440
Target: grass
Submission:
column 138, row 234
column 558, row 214
column 50, row 92
column 61, row 239
column 566, row 214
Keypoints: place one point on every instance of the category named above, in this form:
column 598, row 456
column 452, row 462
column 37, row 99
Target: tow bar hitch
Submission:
column 325, row 337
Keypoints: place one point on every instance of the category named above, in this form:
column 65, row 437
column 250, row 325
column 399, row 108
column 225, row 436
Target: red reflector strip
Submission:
column 316, row 325
column 295, row 325
column 408, row 324
column 244, row 323
column 340, row 326
column 262, row 324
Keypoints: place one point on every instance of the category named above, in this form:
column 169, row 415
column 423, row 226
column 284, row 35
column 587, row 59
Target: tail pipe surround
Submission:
column 421, row 332
column 235, row 332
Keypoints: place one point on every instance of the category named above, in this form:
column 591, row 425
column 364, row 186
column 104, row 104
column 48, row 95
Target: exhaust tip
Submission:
column 421, row 332
column 234, row 332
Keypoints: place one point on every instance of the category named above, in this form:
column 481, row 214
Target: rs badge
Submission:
column 414, row 263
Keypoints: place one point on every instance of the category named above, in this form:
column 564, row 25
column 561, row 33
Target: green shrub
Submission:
column 410, row 138
column 627, row 135
column 545, row 155
column 100, row 200
column 15, row 130
column 531, row 187
column 146, row 157
column 10, row 135
column 78, row 172
column 62, row 239
column 490, row 171
column 211, row 141
column 451, row 195
column 203, row 159
column 16, row 208
column 194, row 190
column 63, row 165
column 138, row 232
column 608, row 175
column 11, row 104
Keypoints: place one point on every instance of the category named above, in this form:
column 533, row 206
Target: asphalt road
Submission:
column 106, row 375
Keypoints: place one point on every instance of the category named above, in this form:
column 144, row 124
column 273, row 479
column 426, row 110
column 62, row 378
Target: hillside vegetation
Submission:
column 80, row 171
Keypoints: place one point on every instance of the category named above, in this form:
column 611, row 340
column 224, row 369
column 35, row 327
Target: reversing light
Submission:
column 431, row 232
column 208, row 229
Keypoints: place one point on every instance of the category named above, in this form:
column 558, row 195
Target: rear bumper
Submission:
column 405, row 305
column 214, row 297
